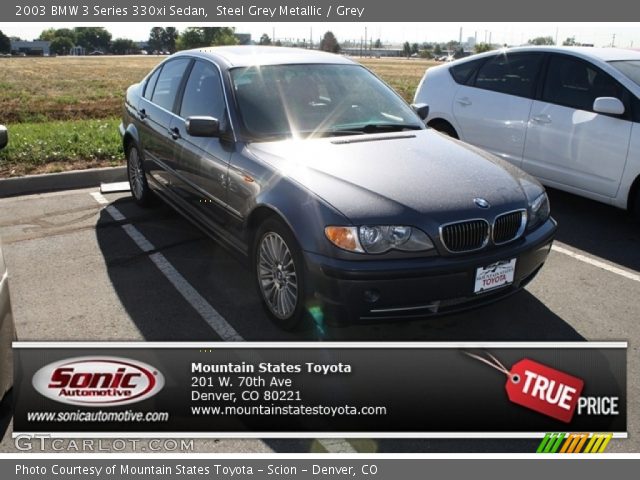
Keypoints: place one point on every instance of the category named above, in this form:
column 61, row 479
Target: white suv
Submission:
column 567, row 115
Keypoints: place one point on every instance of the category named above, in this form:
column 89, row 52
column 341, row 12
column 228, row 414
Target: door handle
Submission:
column 541, row 119
column 175, row 133
column 464, row 101
column 142, row 114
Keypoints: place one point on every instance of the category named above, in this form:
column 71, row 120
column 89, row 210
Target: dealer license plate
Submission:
column 496, row 275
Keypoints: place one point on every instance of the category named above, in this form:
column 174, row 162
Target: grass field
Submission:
column 43, row 99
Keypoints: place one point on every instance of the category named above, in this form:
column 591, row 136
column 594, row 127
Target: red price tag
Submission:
column 538, row 387
column 544, row 389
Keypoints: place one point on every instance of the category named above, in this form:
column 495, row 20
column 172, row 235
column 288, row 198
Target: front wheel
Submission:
column 279, row 271
column 140, row 190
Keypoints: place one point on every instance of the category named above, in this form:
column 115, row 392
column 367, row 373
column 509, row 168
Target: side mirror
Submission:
column 610, row 105
column 4, row 137
column 202, row 126
column 422, row 109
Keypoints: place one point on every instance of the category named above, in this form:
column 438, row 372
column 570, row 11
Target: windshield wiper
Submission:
column 377, row 128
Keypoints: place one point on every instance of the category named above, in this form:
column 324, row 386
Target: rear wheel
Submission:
column 636, row 206
column 140, row 190
column 279, row 273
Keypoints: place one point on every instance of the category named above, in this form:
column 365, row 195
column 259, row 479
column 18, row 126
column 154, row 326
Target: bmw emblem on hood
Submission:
column 481, row 202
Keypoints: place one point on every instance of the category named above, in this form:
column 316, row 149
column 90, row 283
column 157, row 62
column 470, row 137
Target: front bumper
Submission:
column 420, row 287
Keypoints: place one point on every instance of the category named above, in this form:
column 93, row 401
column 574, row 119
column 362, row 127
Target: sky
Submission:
column 512, row 33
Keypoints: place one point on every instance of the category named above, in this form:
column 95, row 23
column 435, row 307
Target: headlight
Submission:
column 379, row 238
column 539, row 211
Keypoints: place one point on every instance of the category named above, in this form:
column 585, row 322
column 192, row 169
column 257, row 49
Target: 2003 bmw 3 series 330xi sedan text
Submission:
column 346, row 205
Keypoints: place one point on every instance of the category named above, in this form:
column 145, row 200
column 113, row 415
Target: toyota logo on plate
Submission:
column 481, row 202
column 98, row 381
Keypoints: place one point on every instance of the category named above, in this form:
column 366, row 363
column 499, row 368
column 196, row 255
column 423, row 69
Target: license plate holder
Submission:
column 497, row 275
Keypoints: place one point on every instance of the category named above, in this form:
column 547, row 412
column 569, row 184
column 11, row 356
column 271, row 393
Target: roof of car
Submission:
column 246, row 56
column 604, row 54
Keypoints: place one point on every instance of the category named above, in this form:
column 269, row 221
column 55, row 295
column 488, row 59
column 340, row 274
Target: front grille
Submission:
column 508, row 227
column 465, row 236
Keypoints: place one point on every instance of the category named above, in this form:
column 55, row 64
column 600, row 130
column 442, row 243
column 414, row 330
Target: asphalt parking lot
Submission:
column 87, row 266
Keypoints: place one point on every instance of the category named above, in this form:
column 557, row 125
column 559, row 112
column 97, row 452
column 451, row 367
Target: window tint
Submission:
column 151, row 84
column 576, row 84
column 513, row 74
column 169, row 82
column 203, row 94
column 630, row 68
column 463, row 72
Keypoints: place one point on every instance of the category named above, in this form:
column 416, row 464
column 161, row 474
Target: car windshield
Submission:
column 278, row 101
column 630, row 68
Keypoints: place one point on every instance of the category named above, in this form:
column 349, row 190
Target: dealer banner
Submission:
column 247, row 389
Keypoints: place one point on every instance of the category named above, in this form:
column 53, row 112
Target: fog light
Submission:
column 371, row 296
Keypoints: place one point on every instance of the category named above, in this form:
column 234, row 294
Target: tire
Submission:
column 636, row 206
column 279, row 274
column 444, row 127
column 140, row 190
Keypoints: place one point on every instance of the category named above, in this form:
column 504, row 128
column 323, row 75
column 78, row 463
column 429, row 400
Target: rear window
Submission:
column 464, row 71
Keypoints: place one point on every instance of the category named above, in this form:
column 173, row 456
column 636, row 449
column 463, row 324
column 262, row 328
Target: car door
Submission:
column 202, row 163
column 568, row 144
column 493, row 108
column 155, row 113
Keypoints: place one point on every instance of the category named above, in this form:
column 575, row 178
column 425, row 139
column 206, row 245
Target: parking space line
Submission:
column 336, row 445
column 197, row 301
column 597, row 263
column 190, row 294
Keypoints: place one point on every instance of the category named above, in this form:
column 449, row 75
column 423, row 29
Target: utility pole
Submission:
column 365, row 38
column 613, row 42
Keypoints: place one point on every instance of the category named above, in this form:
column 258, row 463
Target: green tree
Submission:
column 377, row 44
column 48, row 35
column 482, row 47
column 406, row 49
column 437, row 50
column 169, row 38
column 124, row 46
column 265, row 40
column 191, row 37
column 570, row 42
column 5, row 43
column 541, row 41
column 51, row 33
column 155, row 41
column 93, row 38
column 415, row 48
column 198, row 37
column 61, row 46
column 329, row 43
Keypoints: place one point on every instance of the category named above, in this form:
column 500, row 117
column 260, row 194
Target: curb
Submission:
column 49, row 182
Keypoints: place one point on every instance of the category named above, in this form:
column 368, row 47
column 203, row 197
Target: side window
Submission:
column 463, row 72
column 151, row 84
column 203, row 94
column 168, row 83
column 513, row 74
column 576, row 84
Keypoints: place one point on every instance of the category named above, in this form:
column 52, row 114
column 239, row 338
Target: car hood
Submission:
column 415, row 174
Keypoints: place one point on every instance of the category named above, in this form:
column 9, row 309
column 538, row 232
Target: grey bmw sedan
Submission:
column 343, row 203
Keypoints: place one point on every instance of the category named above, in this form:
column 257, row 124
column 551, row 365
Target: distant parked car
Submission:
column 330, row 184
column 569, row 116
column 7, row 328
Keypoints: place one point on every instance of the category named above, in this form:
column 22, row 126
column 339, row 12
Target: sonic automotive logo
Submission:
column 98, row 381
